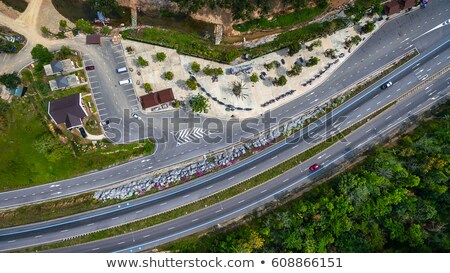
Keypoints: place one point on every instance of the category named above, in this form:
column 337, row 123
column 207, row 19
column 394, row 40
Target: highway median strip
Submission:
column 212, row 199
column 85, row 202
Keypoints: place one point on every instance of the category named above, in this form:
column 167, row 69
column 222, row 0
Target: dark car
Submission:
column 314, row 167
column 386, row 85
column 282, row 61
column 83, row 132
column 90, row 67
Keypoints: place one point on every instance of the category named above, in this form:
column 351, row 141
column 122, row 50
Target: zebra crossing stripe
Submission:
column 189, row 135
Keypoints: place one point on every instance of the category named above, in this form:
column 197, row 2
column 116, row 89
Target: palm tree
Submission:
column 238, row 88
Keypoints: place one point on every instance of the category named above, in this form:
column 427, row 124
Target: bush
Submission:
column 142, row 62
column 45, row 31
column 254, row 78
column 314, row 44
column 281, row 81
column 191, row 84
column 129, row 49
column 176, row 104
column 168, row 75
column 199, row 104
column 208, row 70
column 195, row 67
column 160, row 56
column 84, row 26
column 295, row 70
column 63, row 24
column 218, row 71
column 11, row 80
column 312, row 61
column 105, row 31
column 294, row 48
column 147, row 87
column 368, row 27
column 64, row 53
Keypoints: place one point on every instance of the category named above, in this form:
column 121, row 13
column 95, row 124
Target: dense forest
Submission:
column 396, row 200
column 243, row 9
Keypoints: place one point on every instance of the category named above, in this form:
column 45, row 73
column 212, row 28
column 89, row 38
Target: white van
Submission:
column 123, row 82
column 122, row 69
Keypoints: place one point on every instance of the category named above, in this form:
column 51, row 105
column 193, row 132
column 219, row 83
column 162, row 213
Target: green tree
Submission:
column 368, row 27
column 84, row 26
column 45, row 31
column 208, row 70
column 62, row 24
column 160, row 56
column 254, row 77
column 168, row 75
column 199, row 104
column 218, row 71
column 64, row 52
column 41, row 54
column 281, row 81
column 294, row 48
column 295, row 70
column 312, row 61
column 105, row 31
column 11, row 80
column 142, row 62
column 191, row 84
column 238, row 89
column 195, row 67
column 147, row 87
column 106, row 6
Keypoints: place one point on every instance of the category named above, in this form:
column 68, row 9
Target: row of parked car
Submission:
column 320, row 73
column 290, row 92
column 228, row 107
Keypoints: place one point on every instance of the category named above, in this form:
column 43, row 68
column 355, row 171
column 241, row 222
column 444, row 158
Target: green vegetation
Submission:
column 168, row 75
column 191, row 84
column 92, row 125
column 142, row 62
column 331, row 53
column 312, row 61
column 10, row 80
column 360, row 7
column 106, row 6
column 254, row 78
column 105, row 31
column 287, row 20
column 314, row 44
column 190, row 44
column 19, row 5
column 397, row 200
column 212, row 71
column 218, row 71
column 84, row 26
column 294, row 48
column 368, row 27
column 161, row 56
column 64, row 53
column 63, row 24
column 41, row 54
column 296, row 69
column 45, row 31
column 199, row 104
column 281, row 81
column 195, row 67
column 147, row 87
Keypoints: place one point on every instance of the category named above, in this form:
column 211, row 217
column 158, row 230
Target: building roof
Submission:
column 19, row 91
column 153, row 99
column 62, row 82
column 406, row 4
column 67, row 110
column 57, row 66
column 93, row 39
column 392, row 7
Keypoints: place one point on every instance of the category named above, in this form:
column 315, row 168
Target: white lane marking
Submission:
column 241, row 201
column 94, row 249
column 252, row 168
column 263, row 191
column 230, row 178
column 170, row 228
column 11, row 241
column 196, row 219
column 285, row 180
column 62, row 231
column 209, row 187
column 114, row 218
column 90, row 224
column 185, row 196
column 274, row 157
column 139, row 211
column 163, row 204
column 39, row 236
column 121, row 243
column 146, row 235
column 294, row 147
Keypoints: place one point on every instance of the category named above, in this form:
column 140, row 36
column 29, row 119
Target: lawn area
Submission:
column 285, row 20
column 32, row 155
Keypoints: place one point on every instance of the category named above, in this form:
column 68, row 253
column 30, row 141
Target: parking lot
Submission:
column 115, row 102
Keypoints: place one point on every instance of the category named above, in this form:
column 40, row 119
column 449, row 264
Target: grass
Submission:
column 282, row 21
column 92, row 125
column 190, row 44
column 19, row 5
column 213, row 199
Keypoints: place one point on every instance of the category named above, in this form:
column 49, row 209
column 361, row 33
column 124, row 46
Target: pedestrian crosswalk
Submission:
column 189, row 135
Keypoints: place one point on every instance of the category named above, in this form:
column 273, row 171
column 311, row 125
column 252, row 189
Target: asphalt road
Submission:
column 376, row 130
column 392, row 40
column 354, row 110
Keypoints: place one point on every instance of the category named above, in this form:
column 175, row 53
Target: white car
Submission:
column 134, row 115
column 386, row 85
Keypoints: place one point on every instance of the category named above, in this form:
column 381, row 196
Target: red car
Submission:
column 91, row 67
column 314, row 167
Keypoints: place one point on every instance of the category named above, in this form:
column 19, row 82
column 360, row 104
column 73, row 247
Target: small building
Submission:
column 59, row 67
column 64, row 82
column 93, row 39
column 406, row 4
column 392, row 7
column 243, row 68
column 19, row 91
column 68, row 110
column 157, row 98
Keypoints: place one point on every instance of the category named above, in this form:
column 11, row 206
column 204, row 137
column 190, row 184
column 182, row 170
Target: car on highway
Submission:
column 386, row 85
column 90, row 67
column 314, row 167
column 134, row 115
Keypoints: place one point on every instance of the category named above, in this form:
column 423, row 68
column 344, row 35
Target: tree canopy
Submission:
column 10, row 80
column 199, row 104
column 41, row 54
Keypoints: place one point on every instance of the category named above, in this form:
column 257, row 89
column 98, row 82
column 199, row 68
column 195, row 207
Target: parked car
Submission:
column 83, row 132
column 386, row 85
column 282, row 61
column 314, row 167
column 90, row 67
column 134, row 115
column 263, row 75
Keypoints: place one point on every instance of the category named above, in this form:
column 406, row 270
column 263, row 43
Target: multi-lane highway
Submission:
column 374, row 98
column 374, row 131
column 393, row 39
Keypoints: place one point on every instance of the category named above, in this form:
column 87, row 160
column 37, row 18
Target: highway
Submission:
column 376, row 130
column 393, row 39
column 362, row 105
